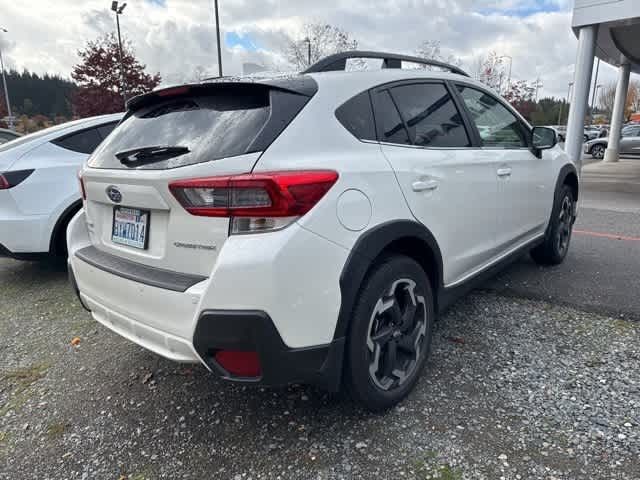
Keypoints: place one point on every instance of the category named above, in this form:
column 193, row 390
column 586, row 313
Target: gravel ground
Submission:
column 515, row 389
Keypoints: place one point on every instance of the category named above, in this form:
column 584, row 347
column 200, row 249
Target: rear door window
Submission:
column 430, row 115
column 84, row 141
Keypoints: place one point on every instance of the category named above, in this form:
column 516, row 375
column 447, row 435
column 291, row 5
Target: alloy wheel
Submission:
column 565, row 222
column 598, row 152
column 396, row 335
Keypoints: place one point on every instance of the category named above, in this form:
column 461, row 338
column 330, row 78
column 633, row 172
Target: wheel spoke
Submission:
column 395, row 313
column 407, row 344
column 408, row 341
column 408, row 317
column 383, row 336
column 390, row 357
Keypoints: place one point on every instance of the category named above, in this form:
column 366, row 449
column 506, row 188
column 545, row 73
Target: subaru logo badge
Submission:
column 114, row 194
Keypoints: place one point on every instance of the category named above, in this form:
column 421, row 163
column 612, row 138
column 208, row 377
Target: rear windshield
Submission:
column 198, row 129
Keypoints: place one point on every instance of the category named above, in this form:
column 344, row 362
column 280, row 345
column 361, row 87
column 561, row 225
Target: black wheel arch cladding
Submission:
column 395, row 235
column 568, row 176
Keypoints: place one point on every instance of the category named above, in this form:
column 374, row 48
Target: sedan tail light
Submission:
column 255, row 202
column 11, row 179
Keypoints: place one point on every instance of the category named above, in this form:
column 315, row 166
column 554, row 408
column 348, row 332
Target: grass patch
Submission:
column 138, row 476
column 427, row 470
column 22, row 379
column 623, row 326
column 25, row 377
column 56, row 429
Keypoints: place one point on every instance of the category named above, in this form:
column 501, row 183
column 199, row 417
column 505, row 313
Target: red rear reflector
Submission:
column 239, row 364
column 266, row 194
column 4, row 183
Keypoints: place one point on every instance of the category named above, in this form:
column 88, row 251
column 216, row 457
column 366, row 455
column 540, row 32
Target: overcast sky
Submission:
column 175, row 37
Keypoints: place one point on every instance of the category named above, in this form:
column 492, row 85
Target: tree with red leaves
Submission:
column 99, row 77
column 520, row 95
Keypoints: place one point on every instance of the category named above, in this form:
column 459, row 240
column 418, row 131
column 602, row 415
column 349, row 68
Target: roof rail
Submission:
column 338, row 61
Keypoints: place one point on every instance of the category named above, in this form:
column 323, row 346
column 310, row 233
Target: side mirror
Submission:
column 544, row 138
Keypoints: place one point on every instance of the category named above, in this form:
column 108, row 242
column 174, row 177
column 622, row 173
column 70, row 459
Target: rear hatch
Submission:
column 176, row 134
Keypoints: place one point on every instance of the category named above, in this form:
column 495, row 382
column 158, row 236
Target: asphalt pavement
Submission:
column 602, row 270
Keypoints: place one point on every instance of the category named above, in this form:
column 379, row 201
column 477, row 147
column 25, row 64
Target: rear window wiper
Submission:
column 144, row 155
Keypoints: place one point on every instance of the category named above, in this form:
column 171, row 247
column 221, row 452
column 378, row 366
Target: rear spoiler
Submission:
column 297, row 84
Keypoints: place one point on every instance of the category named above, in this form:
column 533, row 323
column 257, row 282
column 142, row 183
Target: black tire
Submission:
column 557, row 238
column 379, row 332
column 597, row 151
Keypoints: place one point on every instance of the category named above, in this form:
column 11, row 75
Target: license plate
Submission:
column 131, row 227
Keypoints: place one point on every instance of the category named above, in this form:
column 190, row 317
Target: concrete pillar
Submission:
column 580, row 98
column 617, row 117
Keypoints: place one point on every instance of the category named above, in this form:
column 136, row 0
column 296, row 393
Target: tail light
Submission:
column 83, row 191
column 11, row 179
column 255, row 202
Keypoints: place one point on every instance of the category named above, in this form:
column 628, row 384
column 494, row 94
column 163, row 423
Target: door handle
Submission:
column 420, row 186
column 504, row 172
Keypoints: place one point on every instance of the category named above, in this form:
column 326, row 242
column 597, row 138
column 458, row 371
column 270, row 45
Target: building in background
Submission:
column 609, row 30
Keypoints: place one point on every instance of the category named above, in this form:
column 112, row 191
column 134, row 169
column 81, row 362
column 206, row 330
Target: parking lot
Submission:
column 535, row 375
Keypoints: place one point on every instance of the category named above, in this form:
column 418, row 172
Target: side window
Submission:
column 356, row 115
column 85, row 141
column 388, row 119
column 105, row 130
column 497, row 126
column 431, row 116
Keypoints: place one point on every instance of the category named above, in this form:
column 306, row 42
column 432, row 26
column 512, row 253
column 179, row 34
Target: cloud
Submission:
column 177, row 37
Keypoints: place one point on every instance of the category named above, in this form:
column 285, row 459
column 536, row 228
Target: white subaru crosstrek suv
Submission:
column 309, row 229
column 39, row 191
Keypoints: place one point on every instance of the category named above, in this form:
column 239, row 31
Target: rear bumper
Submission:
column 229, row 330
column 252, row 301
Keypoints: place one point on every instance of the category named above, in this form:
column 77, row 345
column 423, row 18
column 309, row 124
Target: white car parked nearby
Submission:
column 39, row 191
column 309, row 229
column 7, row 135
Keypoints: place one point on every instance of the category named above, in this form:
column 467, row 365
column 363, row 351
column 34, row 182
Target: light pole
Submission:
column 4, row 82
column 510, row 65
column 562, row 104
column 215, row 4
column 595, row 89
column 308, row 41
column 118, row 11
column 593, row 102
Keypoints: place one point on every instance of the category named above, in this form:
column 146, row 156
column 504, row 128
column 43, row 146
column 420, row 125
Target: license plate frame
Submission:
column 140, row 213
